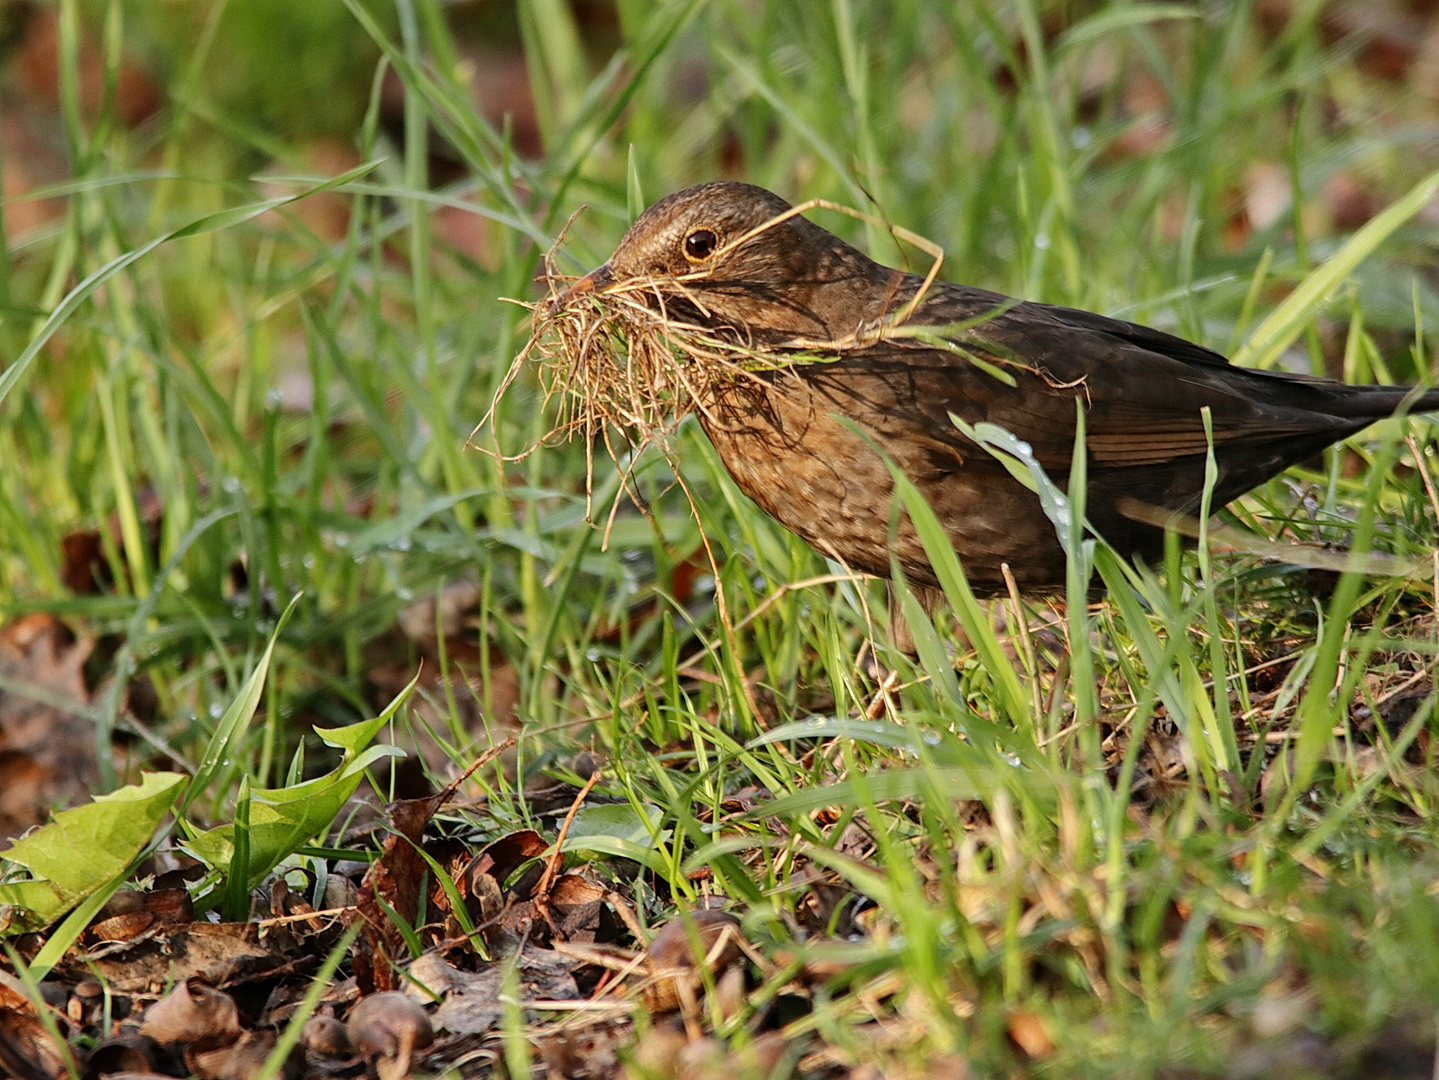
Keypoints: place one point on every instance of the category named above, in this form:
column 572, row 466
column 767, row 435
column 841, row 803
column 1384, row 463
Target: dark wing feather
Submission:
column 1143, row 389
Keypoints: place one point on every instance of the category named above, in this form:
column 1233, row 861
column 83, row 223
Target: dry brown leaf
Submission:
column 47, row 740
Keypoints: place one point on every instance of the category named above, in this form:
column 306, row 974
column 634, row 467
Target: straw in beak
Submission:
column 596, row 281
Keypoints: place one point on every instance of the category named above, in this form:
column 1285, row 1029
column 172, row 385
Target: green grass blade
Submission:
column 1288, row 320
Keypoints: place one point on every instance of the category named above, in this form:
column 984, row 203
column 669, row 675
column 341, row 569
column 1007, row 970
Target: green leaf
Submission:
column 620, row 831
column 397, row 529
column 940, row 747
column 948, row 783
column 83, row 850
column 619, row 822
column 598, row 846
column 1119, row 18
column 633, row 192
column 880, row 732
column 285, row 819
column 236, row 717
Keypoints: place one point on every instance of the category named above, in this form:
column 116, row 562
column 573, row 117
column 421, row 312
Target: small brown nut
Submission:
column 389, row 1027
column 657, row 1055
column 193, row 1011
column 676, row 951
column 326, row 1036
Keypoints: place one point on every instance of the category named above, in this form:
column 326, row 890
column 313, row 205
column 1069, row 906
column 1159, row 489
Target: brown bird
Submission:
column 714, row 256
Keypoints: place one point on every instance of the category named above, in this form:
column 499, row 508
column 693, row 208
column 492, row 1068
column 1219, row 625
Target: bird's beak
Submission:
column 596, row 281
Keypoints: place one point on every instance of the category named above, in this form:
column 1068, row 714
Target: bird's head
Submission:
column 734, row 255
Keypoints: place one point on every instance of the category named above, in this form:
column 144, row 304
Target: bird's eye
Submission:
column 700, row 244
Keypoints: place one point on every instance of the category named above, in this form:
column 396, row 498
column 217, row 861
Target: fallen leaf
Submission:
column 393, row 882
column 227, row 954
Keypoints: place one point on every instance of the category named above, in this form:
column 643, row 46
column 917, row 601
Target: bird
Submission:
column 900, row 355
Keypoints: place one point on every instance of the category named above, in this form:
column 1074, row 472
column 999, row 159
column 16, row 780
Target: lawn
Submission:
column 263, row 273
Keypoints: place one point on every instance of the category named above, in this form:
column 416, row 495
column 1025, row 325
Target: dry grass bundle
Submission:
column 624, row 365
column 626, row 370
column 623, row 362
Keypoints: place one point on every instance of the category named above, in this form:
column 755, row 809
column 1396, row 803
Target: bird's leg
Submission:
column 899, row 633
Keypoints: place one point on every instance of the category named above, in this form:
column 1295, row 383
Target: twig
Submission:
column 557, row 857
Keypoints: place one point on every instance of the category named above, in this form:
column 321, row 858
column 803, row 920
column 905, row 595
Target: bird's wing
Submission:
column 1124, row 424
column 1023, row 367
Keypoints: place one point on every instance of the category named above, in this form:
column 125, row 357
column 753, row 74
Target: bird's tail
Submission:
column 1224, row 537
column 1376, row 402
column 1428, row 401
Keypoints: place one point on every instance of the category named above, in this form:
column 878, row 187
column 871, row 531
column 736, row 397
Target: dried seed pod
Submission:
column 676, row 952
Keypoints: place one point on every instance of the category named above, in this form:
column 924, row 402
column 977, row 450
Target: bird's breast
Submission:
column 787, row 449
column 789, row 441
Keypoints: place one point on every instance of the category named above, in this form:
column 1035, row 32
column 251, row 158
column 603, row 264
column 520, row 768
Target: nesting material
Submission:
column 622, row 365
column 626, row 361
